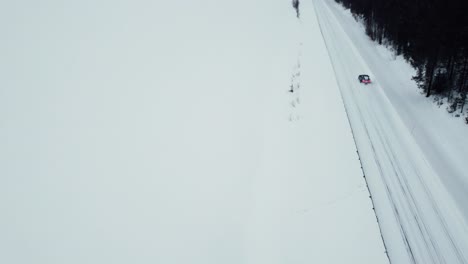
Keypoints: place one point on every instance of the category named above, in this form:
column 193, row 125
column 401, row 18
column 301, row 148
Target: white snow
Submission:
column 164, row 132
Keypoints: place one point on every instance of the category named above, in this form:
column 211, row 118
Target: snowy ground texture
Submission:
column 218, row 132
column 414, row 156
column 164, row 132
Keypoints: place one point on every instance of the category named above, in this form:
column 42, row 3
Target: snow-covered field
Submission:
column 164, row 132
column 414, row 156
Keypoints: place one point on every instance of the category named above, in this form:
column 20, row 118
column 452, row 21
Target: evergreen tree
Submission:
column 431, row 34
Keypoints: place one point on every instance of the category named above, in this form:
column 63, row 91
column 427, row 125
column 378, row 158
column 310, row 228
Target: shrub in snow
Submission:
column 452, row 107
column 295, row 4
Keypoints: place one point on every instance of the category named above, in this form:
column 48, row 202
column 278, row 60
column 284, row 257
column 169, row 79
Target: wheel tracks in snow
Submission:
column 355, row 141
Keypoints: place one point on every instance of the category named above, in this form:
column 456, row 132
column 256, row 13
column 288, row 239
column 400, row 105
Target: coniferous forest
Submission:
column 431, row 34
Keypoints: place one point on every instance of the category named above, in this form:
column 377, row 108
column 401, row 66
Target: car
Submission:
column 364, row 78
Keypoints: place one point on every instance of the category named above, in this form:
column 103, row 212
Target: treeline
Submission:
column 431, row 34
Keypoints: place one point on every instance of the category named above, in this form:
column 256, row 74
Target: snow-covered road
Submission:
column 421, row 220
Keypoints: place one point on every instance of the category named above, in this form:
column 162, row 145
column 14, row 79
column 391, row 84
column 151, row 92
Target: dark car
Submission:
column 364, row 78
